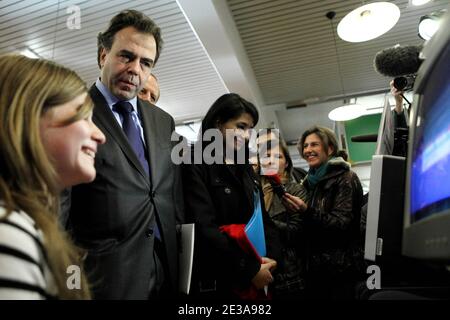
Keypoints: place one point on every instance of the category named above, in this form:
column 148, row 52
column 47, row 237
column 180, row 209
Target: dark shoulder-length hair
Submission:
column 229, row 106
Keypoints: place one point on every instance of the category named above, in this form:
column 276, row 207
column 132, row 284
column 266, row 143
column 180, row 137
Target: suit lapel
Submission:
column 150, row 125
column 105, row 118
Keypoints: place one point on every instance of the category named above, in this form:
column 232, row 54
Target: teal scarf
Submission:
column 315, row 175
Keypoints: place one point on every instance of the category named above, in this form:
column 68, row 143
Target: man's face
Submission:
column 127, row 66
column 150, row 91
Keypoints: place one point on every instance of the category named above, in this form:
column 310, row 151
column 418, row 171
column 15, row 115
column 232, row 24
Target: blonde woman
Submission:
column 48, row 142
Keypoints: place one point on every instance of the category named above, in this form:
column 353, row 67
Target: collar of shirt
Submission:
column 111, row 100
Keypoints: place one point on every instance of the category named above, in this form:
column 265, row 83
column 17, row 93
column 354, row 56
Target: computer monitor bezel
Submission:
column 429, row 237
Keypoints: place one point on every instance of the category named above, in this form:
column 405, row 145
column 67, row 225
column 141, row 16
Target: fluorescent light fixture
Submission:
column 373, row 110
column 368, row 22
column 347, row 112
column 189, row 130
column 199, row 120
column 27, row 52
column 419, row 2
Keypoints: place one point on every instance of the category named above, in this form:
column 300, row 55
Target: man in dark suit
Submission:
column 127, row 217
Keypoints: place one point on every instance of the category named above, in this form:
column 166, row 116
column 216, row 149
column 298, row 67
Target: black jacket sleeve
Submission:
column 290, row 224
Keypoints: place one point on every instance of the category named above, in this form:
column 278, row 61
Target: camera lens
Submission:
column 400, row 83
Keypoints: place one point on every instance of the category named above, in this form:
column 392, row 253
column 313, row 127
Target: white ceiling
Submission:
column 292, row 51
column 188, row 80
column 273, row 52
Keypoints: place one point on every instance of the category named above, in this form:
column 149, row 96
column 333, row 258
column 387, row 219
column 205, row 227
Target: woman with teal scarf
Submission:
column 334, row 259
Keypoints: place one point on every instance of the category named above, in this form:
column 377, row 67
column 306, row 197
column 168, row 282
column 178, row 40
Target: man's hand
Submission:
column 398, row 98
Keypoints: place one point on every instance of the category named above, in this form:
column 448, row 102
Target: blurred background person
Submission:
column 400, row 121
column 275, row 159
column 218, row 195
column 150, row 91
column 48, row 142
column 332, row 219
column 400, row 118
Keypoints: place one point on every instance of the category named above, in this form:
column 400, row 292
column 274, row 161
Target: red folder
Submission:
column 237, row 232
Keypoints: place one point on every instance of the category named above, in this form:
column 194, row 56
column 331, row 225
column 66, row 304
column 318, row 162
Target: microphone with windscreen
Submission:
column 400, row 63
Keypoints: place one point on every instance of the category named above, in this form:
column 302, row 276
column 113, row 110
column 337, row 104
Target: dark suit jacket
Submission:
column 113, row 217
column 216, row 196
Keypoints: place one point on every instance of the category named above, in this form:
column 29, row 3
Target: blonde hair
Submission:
column 28, row 180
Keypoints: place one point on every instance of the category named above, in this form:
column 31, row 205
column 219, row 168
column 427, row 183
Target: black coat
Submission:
column 217, row 195
column 332, row 226
column 289, row 280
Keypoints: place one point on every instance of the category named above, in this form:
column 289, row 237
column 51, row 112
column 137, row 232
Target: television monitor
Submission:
column 426, row 231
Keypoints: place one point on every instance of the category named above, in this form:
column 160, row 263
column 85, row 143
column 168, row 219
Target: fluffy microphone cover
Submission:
column 398, row 61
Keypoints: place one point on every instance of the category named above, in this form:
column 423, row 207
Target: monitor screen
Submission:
column 430, row 163
column 426, row 232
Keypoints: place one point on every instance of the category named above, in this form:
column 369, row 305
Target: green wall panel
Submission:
column 362, row 151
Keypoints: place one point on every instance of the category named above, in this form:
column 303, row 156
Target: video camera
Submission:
column 404, row 83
